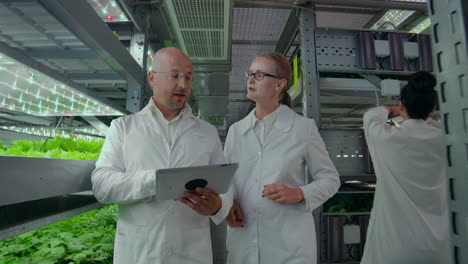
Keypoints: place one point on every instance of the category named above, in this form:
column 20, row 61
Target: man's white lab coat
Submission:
column 278, row 233
column 409, row 219
column 150, row 231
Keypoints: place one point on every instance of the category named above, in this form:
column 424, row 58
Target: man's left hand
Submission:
column 203, row 201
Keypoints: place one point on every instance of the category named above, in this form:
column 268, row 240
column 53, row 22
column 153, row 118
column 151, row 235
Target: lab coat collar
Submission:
column 283, row 123
column 186, row 116
column 285, row 119
column 185, row 113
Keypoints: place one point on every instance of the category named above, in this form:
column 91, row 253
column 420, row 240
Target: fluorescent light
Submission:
column 91, row 131
column 26, row 90
column 46, row 132
column 421, row 26
column 109, row 10
column 392, row 18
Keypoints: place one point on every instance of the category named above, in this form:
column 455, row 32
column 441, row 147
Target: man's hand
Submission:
column 280, row 193
column 234, row 219
column 203, row 201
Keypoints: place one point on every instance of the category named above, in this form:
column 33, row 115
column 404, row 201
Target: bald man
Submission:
column 164, row 134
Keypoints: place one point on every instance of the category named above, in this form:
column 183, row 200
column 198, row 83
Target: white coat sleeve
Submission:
column 375, row 125
column 434, row 123
column 111, row 182
column 375, row 120
column 326, row 180
column 217, row 157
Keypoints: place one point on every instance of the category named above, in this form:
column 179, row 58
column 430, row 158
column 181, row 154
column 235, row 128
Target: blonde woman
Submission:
column 273, row 145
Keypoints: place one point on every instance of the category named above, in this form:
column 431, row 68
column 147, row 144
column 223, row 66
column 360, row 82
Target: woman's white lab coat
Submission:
column 150, row 231
column 409, row 219
column 278, row 233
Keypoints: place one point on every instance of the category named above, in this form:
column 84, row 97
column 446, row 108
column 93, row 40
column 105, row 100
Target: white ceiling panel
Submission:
column 259, row 23
column 345, row 21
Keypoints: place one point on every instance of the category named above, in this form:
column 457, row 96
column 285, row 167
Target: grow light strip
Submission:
column 421, row 26
column 26, row 90
column 109, row 10
column 393, row 16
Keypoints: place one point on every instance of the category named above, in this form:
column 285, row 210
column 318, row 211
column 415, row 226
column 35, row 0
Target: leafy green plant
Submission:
column 342, row 203
column 59, row 148
column 84, row 239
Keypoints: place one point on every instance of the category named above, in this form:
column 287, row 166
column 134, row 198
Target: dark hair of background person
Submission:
column 419, row 96
column 283, row 71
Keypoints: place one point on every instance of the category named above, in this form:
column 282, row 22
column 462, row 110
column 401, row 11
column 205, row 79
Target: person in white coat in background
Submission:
column 164, row 134
column 272, row 145
column 409, row 218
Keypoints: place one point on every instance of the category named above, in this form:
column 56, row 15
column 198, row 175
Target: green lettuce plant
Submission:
column 84, row 239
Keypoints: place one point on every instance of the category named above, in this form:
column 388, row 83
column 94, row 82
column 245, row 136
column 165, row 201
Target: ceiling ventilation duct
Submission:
column 203, row 31
column 202, row 28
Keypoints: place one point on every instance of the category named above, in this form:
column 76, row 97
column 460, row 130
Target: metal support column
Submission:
column 449, row 27
column 311, row 84
column 307, row 25
column 138, row 95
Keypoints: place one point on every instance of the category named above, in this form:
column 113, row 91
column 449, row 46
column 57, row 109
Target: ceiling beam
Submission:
column 60, row 54
column 120, row 95
column 347, row 10
column 289, row 32
column 254, row 42
column 262, row 4
column 374, row 4
column 97, row 36
column 108, row 76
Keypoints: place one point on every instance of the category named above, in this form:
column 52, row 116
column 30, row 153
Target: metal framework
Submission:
column 449, row 20
column 30, row 197
column 97, row 36
column 20, row 57
column 311, row 80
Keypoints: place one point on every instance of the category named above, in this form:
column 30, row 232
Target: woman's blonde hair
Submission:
column 283, row 71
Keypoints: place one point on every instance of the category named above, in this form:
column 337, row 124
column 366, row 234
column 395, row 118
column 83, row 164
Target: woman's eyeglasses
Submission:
column 259, row 75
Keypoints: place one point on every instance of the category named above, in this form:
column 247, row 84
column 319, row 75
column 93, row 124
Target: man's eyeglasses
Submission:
column 259, row 75
column 175, row 76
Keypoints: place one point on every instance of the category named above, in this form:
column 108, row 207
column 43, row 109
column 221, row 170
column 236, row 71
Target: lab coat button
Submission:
column 169, row 212
column 259, row 153
column 254, row 242
column 169, row 253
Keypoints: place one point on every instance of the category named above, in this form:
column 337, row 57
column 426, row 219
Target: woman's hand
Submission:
column 393, row 110
column 280, row 193
column 234, row 218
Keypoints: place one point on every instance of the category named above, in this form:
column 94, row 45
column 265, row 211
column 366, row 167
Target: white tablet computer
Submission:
column 172, row 183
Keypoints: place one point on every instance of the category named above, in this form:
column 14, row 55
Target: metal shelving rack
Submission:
column 81, row 51
column 340, row 51
column 120, row 80
column 450, row 33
